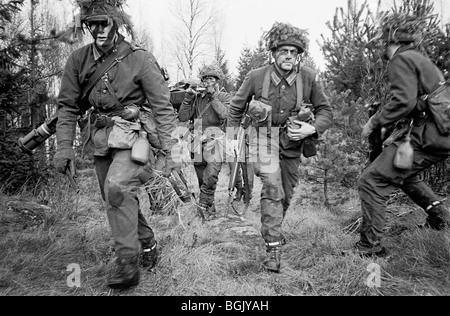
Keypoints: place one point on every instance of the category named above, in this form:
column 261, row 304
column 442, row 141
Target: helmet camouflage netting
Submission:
column 286, row 34
column 402, row 28
column 211, row 70
column 96, row 10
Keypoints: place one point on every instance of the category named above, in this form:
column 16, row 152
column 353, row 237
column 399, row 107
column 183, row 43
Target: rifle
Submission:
column 237, row 164
column 378, row 135
column 70, row 171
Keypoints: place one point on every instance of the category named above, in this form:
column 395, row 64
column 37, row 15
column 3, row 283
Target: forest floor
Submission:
column 50, row 242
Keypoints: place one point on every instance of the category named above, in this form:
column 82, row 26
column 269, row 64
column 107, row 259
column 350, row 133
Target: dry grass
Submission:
column 217, row 258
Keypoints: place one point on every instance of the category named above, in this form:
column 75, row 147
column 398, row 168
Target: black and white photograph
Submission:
column 226, row 155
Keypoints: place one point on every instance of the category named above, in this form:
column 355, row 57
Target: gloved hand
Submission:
column 189, row 95
column 63, row 156
column 368, row 128
column 300, row 130
column 212, row 90
column 173, row 162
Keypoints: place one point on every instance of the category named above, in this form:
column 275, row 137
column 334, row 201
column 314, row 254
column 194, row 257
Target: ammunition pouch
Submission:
column 259, row 112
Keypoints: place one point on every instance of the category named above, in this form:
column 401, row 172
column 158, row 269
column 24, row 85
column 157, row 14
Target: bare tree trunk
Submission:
column 191, row 36
column 33, row 65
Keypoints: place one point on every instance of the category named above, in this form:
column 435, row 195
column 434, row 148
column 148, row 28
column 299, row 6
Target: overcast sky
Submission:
column 244, row 21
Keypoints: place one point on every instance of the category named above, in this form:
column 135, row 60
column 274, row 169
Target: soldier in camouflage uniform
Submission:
column 133, row 82
column 275, row 164
column 211, row 108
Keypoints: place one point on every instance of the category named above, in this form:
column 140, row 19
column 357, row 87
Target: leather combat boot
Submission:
column 149, row 255
column 272, row 262
column 209, row 212
column 126, row 274
column 438, row 217
column 368, row 252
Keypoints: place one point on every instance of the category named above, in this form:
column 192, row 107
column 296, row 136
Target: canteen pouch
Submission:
column 123, row 134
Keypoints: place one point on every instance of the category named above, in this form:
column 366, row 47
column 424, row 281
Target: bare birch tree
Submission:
column 191, row 34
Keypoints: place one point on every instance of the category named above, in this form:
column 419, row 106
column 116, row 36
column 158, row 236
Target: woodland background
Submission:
column 33, row 51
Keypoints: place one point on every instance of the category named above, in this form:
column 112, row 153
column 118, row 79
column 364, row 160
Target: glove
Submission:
column 368, row 128
column 189, row 95
column 63, row 156
column 173, row 162
column 300, row 130
column 212, row 91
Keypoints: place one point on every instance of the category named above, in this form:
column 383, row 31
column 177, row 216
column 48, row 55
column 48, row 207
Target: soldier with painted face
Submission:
column 209, row 108
column 274, row 94
column 134, row 85
column 412, row 75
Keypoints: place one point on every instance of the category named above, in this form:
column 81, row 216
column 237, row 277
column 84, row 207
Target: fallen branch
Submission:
column 350, row 229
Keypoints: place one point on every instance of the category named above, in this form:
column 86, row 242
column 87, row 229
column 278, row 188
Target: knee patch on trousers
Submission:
column 115, row 195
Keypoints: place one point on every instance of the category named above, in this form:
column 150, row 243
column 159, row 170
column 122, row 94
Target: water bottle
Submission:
column 404, row 156
column 141, row 149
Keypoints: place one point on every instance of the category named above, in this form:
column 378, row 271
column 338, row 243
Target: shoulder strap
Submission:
column 266, row 85
column 111, row 61
column 299, row 84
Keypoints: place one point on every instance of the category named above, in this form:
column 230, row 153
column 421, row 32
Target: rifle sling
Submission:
column 111, row 61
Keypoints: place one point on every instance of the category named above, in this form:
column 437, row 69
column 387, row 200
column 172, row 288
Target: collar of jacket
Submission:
column 98, row 53
column 402, row 49
column 277, row 78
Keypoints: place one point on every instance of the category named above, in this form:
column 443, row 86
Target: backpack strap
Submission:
column 266, row 85
column 115, row 57
column 299, row 84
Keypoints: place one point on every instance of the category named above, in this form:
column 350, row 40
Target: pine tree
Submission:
column 251, row 58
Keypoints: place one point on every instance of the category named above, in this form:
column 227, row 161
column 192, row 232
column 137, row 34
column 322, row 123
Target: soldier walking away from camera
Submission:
column 411, row 75
column 126, row 85
column 274, row 94
column 209, row 108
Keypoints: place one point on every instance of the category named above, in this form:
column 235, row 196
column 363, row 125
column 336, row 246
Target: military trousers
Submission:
column 279, row 176
column 381, row 178
column 120, row 179
column 207, row 175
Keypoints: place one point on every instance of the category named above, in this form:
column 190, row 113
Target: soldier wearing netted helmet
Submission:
column 208, row 106
column 120, row 84
column 276, row 96
column 412, row 75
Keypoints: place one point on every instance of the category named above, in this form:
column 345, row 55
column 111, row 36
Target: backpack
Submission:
column 438, row 102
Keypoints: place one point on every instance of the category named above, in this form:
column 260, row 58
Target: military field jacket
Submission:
column 215, row 114
column 135, row 79
column 412, row 75
column 282, row 97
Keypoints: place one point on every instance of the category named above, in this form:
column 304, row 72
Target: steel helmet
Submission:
column 210, row 70
column 399, row 28
column 285, row 34
column 102, row 10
